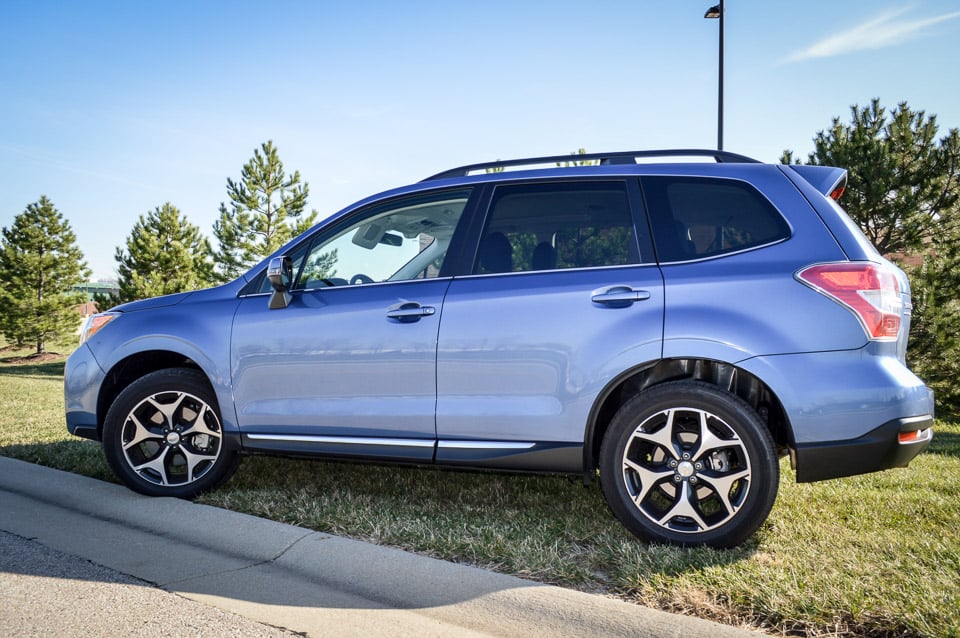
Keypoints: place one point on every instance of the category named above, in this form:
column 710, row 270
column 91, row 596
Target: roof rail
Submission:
column 620, row 157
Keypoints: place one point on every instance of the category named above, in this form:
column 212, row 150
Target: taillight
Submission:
column 869, row 290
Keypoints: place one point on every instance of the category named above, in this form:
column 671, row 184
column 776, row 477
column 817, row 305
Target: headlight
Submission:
column 94, row 323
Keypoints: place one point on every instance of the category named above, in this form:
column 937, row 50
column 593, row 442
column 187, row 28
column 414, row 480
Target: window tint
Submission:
column 550, row 226
column 695, row 218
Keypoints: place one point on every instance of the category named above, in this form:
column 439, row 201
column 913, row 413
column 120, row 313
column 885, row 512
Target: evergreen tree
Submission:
column 266, row 210
column 164, row 254
column 902, row 180
column 934, row 352
column 40, row 264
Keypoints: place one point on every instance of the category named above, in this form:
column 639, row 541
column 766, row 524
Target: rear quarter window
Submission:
column 697, row 218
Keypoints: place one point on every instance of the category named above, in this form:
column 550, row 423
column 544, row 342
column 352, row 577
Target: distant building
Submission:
column 91, row 288
column 101, row 287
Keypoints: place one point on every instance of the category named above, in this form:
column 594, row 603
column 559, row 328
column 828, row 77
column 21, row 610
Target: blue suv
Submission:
column 671, row 327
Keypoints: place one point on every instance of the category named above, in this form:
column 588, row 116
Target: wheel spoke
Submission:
column 193, row 460
column 722, row 484
column 141, row 433
column 684, row 506
column 662, row 437
column 199, row 425
column 167, row 409
column 157, row 464
column 648, row 478
column 710, row 441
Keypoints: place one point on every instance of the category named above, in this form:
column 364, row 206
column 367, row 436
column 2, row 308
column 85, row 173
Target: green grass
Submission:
column 876, row 555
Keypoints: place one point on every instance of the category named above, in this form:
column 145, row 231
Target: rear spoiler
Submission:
column 827, row 179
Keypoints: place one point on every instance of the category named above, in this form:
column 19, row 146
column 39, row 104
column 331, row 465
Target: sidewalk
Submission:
column 299, row 580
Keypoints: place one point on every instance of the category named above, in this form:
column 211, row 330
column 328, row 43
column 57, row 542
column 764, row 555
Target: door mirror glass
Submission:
column 280, row 274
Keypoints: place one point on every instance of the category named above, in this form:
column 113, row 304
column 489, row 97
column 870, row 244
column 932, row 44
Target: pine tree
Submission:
column 40, row 264
column 934, row 352
column 266, row 210
column 164, row 254
column 901, row 178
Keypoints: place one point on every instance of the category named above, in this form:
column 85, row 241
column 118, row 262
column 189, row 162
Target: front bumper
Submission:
column 893, row 444
column 82, row 379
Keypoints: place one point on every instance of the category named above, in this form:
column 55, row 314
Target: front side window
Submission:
column 556, row 226
column 405, row 239
column 698, row 217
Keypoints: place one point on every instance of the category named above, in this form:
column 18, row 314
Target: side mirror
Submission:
column 280, row 274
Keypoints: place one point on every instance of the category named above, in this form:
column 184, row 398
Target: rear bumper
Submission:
column 893, row 444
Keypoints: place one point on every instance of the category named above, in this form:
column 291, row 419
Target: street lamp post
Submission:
column 716, row 11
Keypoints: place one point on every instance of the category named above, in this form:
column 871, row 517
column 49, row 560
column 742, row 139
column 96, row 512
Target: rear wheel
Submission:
column 163, row 436
column 689, row 464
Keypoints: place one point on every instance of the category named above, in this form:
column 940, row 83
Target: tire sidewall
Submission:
column 738, row 415
column 172, row 380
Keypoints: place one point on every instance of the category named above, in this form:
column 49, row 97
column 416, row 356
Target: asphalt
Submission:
column 253, row 576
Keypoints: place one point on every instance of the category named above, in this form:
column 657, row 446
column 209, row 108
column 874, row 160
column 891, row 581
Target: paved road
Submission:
column 49, row 593
column 272, row 575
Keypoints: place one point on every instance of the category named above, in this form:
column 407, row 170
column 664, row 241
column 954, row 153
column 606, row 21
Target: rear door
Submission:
column 563, row 296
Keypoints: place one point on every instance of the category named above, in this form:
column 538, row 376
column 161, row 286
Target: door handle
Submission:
column 409, row 312
column 619, row 296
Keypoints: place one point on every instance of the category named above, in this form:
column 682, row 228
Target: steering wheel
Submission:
column 360, row 278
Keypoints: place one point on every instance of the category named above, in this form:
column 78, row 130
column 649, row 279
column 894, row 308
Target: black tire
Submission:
column 689, row 464
column 163, row 436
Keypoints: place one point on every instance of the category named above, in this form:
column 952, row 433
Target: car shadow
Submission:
column 944, row 444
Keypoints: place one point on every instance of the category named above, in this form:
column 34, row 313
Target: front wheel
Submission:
column 689, row 464
column 163, row 436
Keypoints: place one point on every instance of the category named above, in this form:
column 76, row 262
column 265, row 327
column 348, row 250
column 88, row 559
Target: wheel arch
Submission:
column 136, row 366
column 724, row 375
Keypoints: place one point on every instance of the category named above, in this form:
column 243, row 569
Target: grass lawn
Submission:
column 875, row 555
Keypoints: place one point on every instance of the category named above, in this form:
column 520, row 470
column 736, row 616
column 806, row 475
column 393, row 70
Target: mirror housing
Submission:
column 280, row 274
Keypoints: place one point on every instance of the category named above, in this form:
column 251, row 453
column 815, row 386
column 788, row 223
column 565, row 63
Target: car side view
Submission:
column 670, row 325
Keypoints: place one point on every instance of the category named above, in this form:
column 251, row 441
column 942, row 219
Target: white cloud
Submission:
column 887, row 29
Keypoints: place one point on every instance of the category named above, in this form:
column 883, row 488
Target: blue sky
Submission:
column 113, row 108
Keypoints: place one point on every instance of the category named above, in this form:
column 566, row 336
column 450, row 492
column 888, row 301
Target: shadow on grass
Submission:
column 45, row 369
column 945, row 443
column 77, row 456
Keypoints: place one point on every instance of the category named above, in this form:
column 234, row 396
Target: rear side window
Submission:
column 556, row 226
column 697, row 218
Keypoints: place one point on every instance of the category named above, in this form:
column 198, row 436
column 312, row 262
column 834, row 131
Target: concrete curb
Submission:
column 301, row 580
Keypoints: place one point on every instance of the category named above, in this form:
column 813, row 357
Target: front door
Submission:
column 349, row 366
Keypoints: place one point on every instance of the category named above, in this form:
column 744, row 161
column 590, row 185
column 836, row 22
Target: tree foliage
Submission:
column 579, row 162
column 164, row 254
column 903, row 181
column 903, row 191
column 934, row 352
column 266, row 210
column 40, row 264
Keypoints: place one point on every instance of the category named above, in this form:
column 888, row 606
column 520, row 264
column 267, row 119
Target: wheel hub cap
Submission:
column 171, row 438
column 686, row 470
